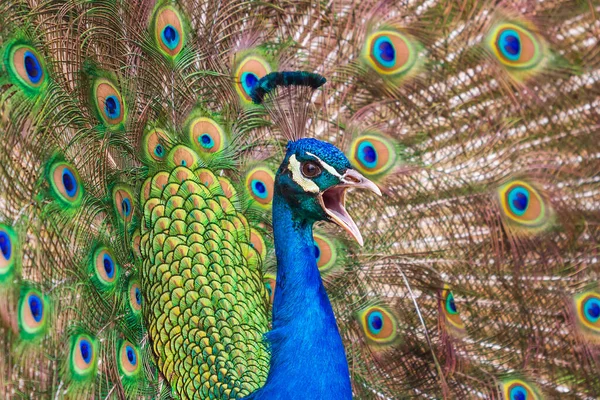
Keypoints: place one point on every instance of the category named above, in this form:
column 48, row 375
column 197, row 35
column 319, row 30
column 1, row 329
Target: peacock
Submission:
column 242, row 199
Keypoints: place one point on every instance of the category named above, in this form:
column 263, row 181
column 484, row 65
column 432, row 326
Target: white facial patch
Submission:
column 305, row 183
column 328, row 167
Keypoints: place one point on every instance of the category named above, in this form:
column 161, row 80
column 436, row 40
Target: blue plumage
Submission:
column 307, row 354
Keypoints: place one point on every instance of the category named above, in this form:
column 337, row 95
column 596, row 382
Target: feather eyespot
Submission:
column 109, row 103
column 270, row 284
column 517, row 389
column 129, row 359
column 269, row 288
column 8, row 240
column 587, row 306
column 105, row 268
column 135, row 297
column 523, row 205
column 515, row 47
column 259, row 184
column 168, row 31
column 390, row 53
column 450, row 312
column 325, row 253
column 374, row 155
column 33, row 69
column 183, row 156
column 5, row 247
column 206, row 135
column 375, row 322
column 123, row 203
column 518, row 392
column 26, row 67
column 33, row 313
column 519, row 50
column 154, row 144
column 591, row 309
column 247, row 75
column 159, row 151
column 35, row 307
column 379, row 325
column 84, row 351
column 84, row 355
column 65, row 184
column 450, row 305
column 136, row 243
column 112, row 107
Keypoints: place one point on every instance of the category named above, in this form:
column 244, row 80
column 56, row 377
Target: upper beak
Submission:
column 333, row 201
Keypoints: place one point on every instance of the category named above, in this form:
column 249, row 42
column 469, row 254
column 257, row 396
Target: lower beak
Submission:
column 333, row 201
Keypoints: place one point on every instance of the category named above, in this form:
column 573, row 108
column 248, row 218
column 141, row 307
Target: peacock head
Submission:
column 313, row 179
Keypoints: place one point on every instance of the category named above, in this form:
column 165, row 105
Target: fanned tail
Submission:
column 137, row 173
column 480, row 277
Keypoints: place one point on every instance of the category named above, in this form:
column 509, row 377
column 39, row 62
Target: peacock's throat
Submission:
column 307, row 354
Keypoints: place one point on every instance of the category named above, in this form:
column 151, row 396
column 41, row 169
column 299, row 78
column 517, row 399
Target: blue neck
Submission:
column 307, row 354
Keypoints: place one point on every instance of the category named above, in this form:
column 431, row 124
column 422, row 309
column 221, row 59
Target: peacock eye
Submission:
column 310, row 169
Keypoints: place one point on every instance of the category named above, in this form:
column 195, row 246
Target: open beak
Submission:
column 333, row 201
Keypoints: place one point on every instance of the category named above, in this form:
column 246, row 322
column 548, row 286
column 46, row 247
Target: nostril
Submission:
column 352, row 179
